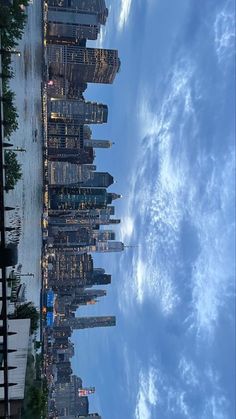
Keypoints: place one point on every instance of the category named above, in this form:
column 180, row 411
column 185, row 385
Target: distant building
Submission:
column 66, row 173
column 78, row 111
column 91, row 416
column 69, row 23
column 97, row 277
column 103, row 235
column 97, row 143
column 109, row 246
column 64, row 372
column 69, row 198
column 78, row 156
column 67, row 400
column 90, row 322
column 82, row 65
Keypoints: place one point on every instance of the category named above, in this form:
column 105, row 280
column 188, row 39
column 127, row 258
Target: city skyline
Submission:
column 135, row 101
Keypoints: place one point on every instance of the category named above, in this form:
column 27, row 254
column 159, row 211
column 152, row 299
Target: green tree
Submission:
column 12, row 22
column 27, row 311
column 35, row 403
column 13, row 169
column 9, row 111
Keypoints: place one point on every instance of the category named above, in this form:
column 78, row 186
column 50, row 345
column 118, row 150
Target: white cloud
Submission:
column 127, row 227
column 147, row 396
column 224, row 32
column 164, row 200
column 125, row 8
column 189, row 372
column 214, row 271
column 101, row 37
column 160, row 200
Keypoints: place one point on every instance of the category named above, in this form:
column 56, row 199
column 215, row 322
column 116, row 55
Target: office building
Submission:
column 82, row 65
column 78, row 156
column 77, row 111
column 97, row 277
column 70, row 23
column 97, row 143
column 67, row 198
column 103, row 235
column 91, row 322
column 66, row 173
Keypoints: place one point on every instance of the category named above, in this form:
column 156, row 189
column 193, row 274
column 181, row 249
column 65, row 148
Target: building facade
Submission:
column 82, row 65
column 77, row 111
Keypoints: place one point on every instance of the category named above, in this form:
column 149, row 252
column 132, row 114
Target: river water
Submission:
column 28, row 192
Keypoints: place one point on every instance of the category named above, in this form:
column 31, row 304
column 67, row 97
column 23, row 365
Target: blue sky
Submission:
column 171, row 115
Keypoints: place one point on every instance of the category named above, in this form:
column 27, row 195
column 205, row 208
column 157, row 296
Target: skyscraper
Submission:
column 80, row 6
column 82, row 65
column 69, row 22
column 109, row 246
column 90, row 322
column 98, row 180
column 66, row 173
column 69, row 198
column 97, row 277
column 97, row 143
column 78, row 111
column 103, row 235
column 79, row 156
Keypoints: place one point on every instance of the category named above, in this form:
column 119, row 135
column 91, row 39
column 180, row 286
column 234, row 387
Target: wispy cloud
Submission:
column 125, row 8
column 163, row 193
column 147, row 397
column 224, row 31
column 127, row 227
column 156, row 198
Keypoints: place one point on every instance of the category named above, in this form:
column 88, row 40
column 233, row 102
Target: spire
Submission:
column 115, row 196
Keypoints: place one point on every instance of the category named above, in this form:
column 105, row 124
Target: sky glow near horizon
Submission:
column 171, row 114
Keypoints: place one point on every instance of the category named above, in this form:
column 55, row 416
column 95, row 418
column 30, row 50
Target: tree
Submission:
column 36, row 403
column 12, row 22
column 13, row 169
column 27, row 311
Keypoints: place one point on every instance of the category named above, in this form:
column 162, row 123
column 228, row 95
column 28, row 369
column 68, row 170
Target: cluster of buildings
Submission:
column 80, row 209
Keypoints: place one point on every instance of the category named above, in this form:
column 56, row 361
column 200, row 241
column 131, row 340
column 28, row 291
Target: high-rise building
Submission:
column 69, row 22
column 78, row 111
column 67, row 400
column 88, row 296
column 73, row 174
column 61, row 134
column 73, row 135
column 69, row 198
column 66, row 173
column 79, row 156
column 82, row 65
column 97, row 180
column 61, row 88
column 103, row 235
column 90, row 322
column 97, row 143
column 109, row 246
column 97, row 277
column 78, row 238
column 92, row 217
column 80, row 6
column 68, row 268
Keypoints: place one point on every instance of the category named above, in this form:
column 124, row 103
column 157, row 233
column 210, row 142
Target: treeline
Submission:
column 36, row 390
column 12, row 23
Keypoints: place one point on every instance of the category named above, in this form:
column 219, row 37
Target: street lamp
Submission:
column 10, row 51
